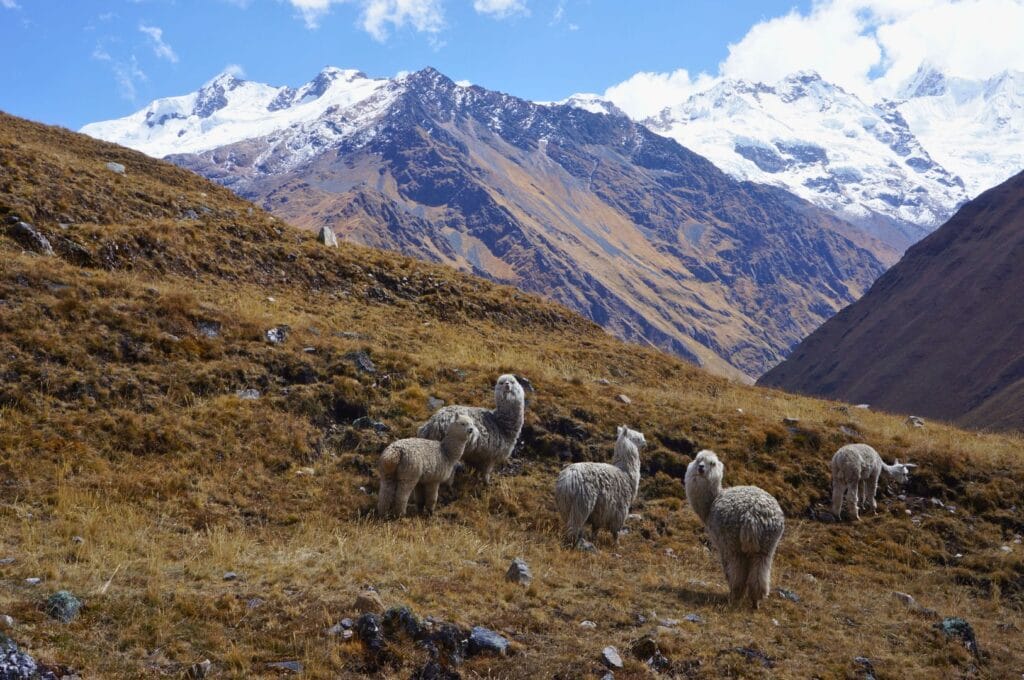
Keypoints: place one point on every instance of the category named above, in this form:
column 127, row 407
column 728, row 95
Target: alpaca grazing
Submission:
column 599, row 494
column 745, row 524
column 856, row 469
column 498, row 428
column 419, row 466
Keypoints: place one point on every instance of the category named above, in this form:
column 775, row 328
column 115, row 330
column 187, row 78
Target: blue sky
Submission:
column 71, row 62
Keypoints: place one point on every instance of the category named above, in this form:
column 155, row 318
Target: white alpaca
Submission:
column 598, row 493
column 855, row 472
column 420, row 466
column 745, row 524
column 498, row 428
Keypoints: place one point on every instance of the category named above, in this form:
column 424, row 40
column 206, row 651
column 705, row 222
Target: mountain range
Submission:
column 594, row 211
column 941, row 333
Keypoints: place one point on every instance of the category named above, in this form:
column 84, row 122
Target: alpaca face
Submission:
column 633, row 436
column 902, row 471
column 463, row 427
column 706, row 466
column 508, row 389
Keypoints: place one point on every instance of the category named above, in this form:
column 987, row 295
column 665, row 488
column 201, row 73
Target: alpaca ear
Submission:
column 897, row 462
column 910, row 466
column 622, row 428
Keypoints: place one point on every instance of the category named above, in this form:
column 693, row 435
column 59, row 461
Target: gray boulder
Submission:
column 30, row 237
column 327, row 237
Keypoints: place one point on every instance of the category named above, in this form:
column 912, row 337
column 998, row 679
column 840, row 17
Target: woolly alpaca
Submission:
column 855, row 472
column 745, row 524
column 498, row 428
column 599, row 493
column 420, row 466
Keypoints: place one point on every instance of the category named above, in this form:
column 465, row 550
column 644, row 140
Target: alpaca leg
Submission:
column 759, row 578
column 837, row 500
column 852, row 501
column 430, row 498
column 487, row 473
column 872, row 492
column 417, row 498
column 403, row 490
column 735, row 568
column 386, row 499
column 575, row 514
column 863, row 504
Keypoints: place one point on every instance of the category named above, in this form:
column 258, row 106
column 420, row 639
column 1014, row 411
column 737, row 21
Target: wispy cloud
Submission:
column 9, row 4
column 156, row 41
column 126, row 73
column 380, row 17
column 502, row 9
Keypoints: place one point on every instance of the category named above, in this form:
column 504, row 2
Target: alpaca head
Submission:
column 900, row 472
column 463, row 428
column 705, row 468
column 635, row 437
column 508, row 390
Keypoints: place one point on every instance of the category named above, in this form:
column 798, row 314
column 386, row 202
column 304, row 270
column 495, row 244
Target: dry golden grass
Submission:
column 115, row 431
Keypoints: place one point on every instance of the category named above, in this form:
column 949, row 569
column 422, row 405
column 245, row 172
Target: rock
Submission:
column 77, row 540
column 286, row 666
column 693, row 618
column 433, row 670
column 369, row 601
column 189, row 214
column 208, row 329
column 624, row 399
column 254, row 602
column 915, row 421
column 644, row 648
column 398, row 620
column 370, row 632
column 362, row 361
column 346, row 623
column 905, row 598
column 669, row 623
column 230, row 576
column 433, row 403
column 608, row 676
column 863, row 406
column 586, row 546
column 790, row 421
column 63, row 606
column 7, row 621
column 519, row 572
column 327, row 237
column 866, row 666
column 590, row 625
column 30, row 237
column 33, row 580
column 603, row 381
column 1006, row 548
column 277, row 334
column 6, row 560
column 610, row 657
column 248, row 394
column 115, row 167
column 787, row 594
column 366, row 423
column 483, row 640
column 954, row 626
column 16, row 664
column 199, row 670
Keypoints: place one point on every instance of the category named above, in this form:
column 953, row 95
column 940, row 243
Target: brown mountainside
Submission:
column 941, row 334
column 593, row 211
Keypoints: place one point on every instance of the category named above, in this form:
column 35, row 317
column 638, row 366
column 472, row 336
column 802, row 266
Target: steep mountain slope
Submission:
column 137, row 471
column 593, row 211
column 940, row 334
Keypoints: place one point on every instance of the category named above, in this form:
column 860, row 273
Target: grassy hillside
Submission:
column 135, row 477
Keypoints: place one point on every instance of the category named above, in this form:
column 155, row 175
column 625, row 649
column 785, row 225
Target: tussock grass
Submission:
column 119, row 424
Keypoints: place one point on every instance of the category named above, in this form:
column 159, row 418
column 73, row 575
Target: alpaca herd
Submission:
column 744, row 523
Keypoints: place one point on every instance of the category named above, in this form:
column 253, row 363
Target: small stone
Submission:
column 519, row 572
column 915, row 421
column 6, row 560
column 63, row 606
column 905, row 598
column 7, row 621
column 739, row 410
column 644, row 648
column 588, row 624
column 624, row 399
column 33, row 581
column 362, row 361
column 248, row 394
column 30, row 237
column 484, row 640
column 305, row 472
column 115, row 167
column 693, row 618
column 287, row 666
column 608, row 676
column 433, row 403
column 277, row 334
column 1006, row 548
column 369, row 630
column 208, row 329
column 327, row 237
column 199, row 670
column 954, row 626
column 347, row 635
column 77, row 540
column 790, row 421
column 254, row 602
column 369, row 601
column 787, row 594
column 230, row 576
column 863, row 406
column 603, row 381
column 346, row 623
column 610, row 657
column 309, row 350
column 669, row 623
column 364, row 422
column 634, row 517
column 586, row 546
column 189, row 214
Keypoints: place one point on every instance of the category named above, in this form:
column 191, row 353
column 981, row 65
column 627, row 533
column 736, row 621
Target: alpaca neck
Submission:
column 889, row 470
column 701, row 493
column 452, row 447
column 509, row 414
column 627, row 459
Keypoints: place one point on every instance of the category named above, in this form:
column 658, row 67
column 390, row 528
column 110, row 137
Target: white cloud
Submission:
column 126, row 73
column 160, row 48
column 645, row 93
column 502, row 9
column 234, row 70
column 9, row 4
column 379, row 17
column 869, row 47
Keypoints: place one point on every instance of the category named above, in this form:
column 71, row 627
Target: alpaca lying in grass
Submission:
column 419, row 466
column 498, row 428
column 745, row 524
column 856, row 469
column 600, row 494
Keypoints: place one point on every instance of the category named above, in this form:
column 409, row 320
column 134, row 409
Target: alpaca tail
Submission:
column 759, row 577
column 571, row 499
column 389, row 462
